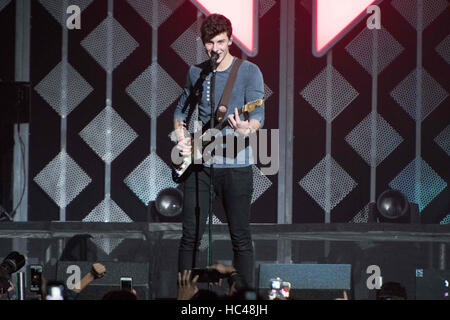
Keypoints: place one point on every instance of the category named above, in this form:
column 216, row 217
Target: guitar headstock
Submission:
column 250, row 107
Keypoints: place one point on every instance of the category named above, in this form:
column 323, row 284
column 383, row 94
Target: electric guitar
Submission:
column 181, row 171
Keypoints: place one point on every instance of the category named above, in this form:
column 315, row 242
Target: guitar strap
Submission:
column 226, row 96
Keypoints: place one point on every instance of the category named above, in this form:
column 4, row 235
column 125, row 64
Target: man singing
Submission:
column 233, row 178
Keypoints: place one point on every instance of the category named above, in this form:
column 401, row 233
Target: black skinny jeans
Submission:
column 235, row 187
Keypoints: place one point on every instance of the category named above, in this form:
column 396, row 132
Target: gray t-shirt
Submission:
column 249, row 87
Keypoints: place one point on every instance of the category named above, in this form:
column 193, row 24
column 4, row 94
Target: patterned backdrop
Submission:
column 103, row 98
column 103, row 102
column 365, row 91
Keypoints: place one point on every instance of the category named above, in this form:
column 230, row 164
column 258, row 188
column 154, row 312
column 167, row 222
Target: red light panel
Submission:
column 332, row 19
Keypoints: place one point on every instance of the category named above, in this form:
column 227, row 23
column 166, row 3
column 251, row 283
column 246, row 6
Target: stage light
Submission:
column 169, row 202
column 243, row 15
column 393, row 206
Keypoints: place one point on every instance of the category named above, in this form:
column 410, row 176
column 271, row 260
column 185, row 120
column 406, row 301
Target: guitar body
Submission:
column 179, row 176
column 182, row 171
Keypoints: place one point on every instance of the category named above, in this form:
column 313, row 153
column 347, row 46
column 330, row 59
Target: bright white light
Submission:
column 55, row 294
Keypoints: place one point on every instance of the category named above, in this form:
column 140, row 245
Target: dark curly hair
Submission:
column 215, row 24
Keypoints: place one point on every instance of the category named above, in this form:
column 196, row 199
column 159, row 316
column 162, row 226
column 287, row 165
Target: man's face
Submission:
column 219, row 44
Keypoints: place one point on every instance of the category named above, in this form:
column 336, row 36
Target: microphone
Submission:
column 214, row 58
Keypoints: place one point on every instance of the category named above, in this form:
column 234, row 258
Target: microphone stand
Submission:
column 211, row 176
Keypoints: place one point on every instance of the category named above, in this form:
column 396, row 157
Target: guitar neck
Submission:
column 248, row 107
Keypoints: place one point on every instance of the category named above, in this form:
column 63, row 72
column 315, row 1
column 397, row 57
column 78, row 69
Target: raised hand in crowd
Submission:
column 345, row 296
column 98, row 271
column 187, row 287
column 11, row 288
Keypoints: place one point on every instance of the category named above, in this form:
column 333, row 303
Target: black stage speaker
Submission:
column 308, row 281
column 139, row 272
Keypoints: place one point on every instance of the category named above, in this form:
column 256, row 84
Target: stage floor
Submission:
column 398, row 249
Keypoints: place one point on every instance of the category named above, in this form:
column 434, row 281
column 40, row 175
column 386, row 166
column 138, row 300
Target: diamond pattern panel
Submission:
column 429, row 186
column 108, row 135
column 107, row 244
column 342, row 93
column 387, row 139
column 149, row 178
column 267, row 92
column 121, row 44
column 194, row 123
column 362, row 47
column 307, row 4
column 205, row 238
column 315, row 182
column 154, row 90
column 4, row 3
column 260, row 183
column 203, row 243
column 184, row 47
column 62, row 179
column 50, row 89
column 107, row 211
column 443, row 140
column 444, row 49
column 57, row 9
column 265, row 6
column 446, row 220
column 405, row 94
column 165, row 8
column 215, row 220
column 362, row 216
column 431, row 10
